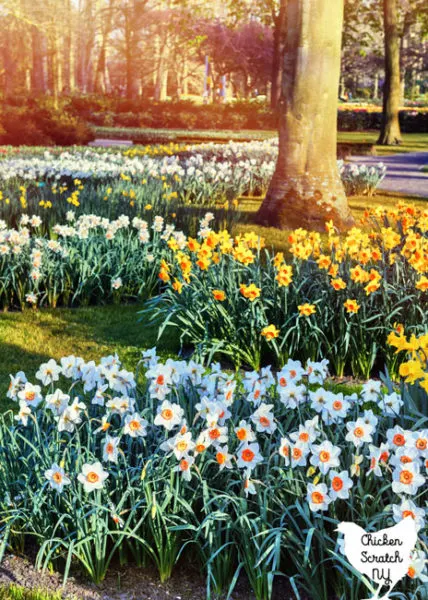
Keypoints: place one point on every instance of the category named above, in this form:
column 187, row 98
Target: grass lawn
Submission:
column 278, row 239
column 16, row 592
column 412, row 142
column 29, row 338
column 148, row 135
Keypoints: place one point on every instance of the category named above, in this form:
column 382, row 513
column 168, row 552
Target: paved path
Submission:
column 106, row 143
column 404, row 172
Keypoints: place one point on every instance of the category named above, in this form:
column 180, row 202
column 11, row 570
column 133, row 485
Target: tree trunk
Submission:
column 279, row 34
column 306, row 189
column 67, row 48
column 390, row 130
column 161, row 85
column 37, row 72
column 376, row 86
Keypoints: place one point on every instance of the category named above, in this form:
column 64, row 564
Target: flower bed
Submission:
column 337, row 298
column 112, row 183
column 246, row 472
column 90, row 259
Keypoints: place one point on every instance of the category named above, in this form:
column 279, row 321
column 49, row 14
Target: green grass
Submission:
column 17, row 592
column 412, row 142
column 29, row 338
column 151, row 136
column 278, row 238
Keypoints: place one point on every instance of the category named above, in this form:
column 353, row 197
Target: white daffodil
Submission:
column 404, row 456
column 49, row 372
column 223, row 458
column 359, row 432
column 23, row 413
column 244, row 432
column 285, row 450
column 340, row 485
column 92, row 477
column 111, row 449
column 249, row 456
column 307, row 433
column 135, row 426
column 325, row 456
column 169, row 415
column 57, row 402
column 217, row 435
column 57, row 477
column 317, row 371
column 181, row 444
column 391, row 404
column 16, row 384
column 419, row 439
column 418, row 566
column 398, row 437
column 407, row 508
column 263, row 419
column 337, row 408
column 407, row 479
column 299, row 454
column 292, row 395
column 99, row 397
column 317, row 497
column 371, row 390
column 30, row 394
column 184, row 466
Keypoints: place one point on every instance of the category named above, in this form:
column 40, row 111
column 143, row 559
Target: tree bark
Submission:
column 37, row 71
column 279, row 35
column 376, row 86
column 67, row 48
column 390, row 130
column 306, row 189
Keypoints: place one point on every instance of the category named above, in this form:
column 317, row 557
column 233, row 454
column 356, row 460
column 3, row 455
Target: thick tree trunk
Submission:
column 279, row 34
column 306, row 189
column 390, row 130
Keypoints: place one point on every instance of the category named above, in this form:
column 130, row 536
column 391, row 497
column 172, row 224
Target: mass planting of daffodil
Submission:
column 245, row 472
column 88, row 258
column 334, row 296
column 109, row 183
column 251, row 470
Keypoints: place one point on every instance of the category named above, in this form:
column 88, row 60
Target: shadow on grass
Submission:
column 14, row 358
column 29, row 338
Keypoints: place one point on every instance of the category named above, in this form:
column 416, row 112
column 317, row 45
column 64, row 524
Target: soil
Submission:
column 127, row 583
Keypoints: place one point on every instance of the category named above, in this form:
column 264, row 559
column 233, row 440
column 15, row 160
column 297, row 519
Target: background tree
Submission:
column 154, row 48
column 390, row 129
column 306, row 190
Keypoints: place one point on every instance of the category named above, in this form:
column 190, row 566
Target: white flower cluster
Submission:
column 361, row 179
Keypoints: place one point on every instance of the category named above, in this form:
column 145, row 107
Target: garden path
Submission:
column 106, row 143
column 404, row 172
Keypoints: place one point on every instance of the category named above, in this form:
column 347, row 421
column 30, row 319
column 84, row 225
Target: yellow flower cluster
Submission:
column 158, row 150
column 403, row 239
column 3, row 199
column 74, row 198
column 359, row 257
column 416, row 368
